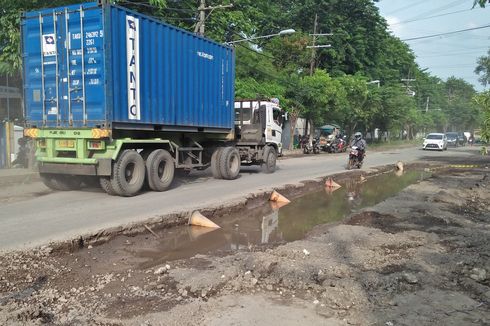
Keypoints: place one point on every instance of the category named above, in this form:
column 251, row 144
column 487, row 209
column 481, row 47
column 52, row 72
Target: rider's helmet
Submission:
column 358, row 135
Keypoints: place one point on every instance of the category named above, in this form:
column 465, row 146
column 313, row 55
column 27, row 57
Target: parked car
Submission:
column 452, row 139
column 437, row 141
column 462, row 139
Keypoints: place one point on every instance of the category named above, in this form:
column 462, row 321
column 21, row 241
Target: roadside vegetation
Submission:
column 367, row 79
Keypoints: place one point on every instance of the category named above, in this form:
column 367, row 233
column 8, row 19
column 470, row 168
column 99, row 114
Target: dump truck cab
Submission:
column 263, row 120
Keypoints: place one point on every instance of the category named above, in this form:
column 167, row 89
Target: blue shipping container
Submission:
column 106, row 66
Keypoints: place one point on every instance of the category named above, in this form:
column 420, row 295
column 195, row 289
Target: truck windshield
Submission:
column 277, row 116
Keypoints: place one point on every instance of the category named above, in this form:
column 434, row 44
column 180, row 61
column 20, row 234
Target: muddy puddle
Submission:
column 266, row 226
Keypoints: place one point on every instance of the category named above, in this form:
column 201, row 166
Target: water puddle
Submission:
column 267, row 226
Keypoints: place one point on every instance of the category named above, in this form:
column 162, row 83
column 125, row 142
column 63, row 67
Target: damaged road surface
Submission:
column 420, row 257
column 33, row 217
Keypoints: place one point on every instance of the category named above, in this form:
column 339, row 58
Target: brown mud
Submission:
column 420, row 257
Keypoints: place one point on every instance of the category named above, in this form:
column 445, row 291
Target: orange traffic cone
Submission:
column 332, row 184
column 197, row 219
column 275, row 205
column 277, row 197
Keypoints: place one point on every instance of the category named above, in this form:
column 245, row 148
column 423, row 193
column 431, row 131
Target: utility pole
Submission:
column 8, row 98
column 427, row 104
column 407, row 86
column 199, row 28
column 314, row 46
column 313, row 50
column 202, row 17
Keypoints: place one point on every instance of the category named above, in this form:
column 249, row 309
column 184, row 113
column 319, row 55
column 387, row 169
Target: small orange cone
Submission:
column 330, row 190
column 275, row 205
column 277, row 197
column 332, row 184
column 399, row 166
column 197, row 231
column 197, row 219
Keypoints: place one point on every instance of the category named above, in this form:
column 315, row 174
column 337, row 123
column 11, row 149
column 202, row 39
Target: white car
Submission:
column 436, row 141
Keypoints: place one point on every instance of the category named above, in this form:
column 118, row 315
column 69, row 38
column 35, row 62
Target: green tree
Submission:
column 483, row 69
column 483, row 101
column 462, row 112
column 354, row 109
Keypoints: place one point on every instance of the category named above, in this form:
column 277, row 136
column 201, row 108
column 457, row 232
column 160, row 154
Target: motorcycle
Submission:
column 356, row 158
column 341, row 145
column 336, row 146
column 311, row 148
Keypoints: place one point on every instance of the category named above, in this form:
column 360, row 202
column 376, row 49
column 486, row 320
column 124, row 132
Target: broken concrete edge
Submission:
column 250, row 201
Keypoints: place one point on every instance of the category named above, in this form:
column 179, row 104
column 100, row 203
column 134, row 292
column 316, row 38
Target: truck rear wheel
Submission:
column 215, row 161
column 269, row 159
column 160, row 170
column 229, row 163
column 105, row 183
column 61, row 182
column 128, row 173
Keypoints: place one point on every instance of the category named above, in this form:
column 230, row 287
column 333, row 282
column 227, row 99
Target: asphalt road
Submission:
column 58, row 216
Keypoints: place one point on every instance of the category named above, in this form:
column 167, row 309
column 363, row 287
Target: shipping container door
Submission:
column 41, row 64
column 64, row 80
column 85, row 98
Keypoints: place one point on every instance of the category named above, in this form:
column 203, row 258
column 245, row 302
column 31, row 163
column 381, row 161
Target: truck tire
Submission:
column 215, row 160
column 128, row 173
column 49, row 181
column 160, row 170
column 105, row 183
column 91, row 181
column 229, row 163
column 61, row 182
column 269, row 159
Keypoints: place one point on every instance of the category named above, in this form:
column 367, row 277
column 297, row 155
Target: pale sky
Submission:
column 446, row 55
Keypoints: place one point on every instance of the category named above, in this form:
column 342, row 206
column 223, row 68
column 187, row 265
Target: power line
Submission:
column 438, row 9
column 447, row 33
column 455, row 66
column 406, row 7
column 430, row 17
column 149, row 5
column 448, row 54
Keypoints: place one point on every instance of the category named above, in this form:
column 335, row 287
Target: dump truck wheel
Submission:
column 269, row 159
column 61, row 182
column 160, row 170
column 69, row 182
column 128, row 173
column 230, row 163
column 215, row 159
column 105, row 183
column 91, row 181
column 49, row 181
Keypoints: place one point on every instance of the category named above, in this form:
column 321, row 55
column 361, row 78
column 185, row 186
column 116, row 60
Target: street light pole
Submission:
column 374, row 82
column 281, row 33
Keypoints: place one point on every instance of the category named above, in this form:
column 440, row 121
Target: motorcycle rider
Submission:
column 361, row 145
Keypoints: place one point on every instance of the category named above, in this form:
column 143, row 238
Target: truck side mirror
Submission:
column 285, row 115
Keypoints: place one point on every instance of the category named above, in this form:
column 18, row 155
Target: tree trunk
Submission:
column 293, row 118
